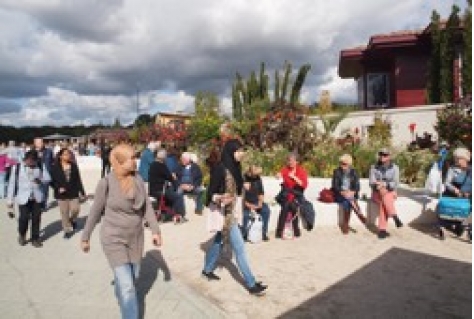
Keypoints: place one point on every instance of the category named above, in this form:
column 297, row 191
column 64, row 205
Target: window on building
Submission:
column 378, row 90
column 360, row 91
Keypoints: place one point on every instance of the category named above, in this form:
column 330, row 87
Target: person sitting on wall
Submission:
column 189, row 180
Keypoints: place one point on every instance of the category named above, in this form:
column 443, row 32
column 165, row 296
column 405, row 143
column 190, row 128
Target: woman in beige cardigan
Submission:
column 122, row 197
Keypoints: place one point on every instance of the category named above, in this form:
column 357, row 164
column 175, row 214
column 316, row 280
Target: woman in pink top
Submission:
column 5, row 164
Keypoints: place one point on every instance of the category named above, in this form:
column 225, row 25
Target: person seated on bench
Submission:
column 346, row 186
column 160, row 179
column 253, row 201
column 189, row 181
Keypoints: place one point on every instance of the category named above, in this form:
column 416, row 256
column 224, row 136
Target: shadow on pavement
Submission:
column 398, row 284
column 149, row 268
column 225, row 261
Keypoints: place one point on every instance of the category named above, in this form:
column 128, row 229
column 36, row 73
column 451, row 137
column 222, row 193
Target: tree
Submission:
column 117, row 123
column 435, row 60
column 205, row 124
column 143, row 120
column 447, row 53
column 467, row 52
column 454, row 124
column 298, row 84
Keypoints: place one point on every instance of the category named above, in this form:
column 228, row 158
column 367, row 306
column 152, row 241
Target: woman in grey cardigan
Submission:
column 122, row 197
column 384, row 178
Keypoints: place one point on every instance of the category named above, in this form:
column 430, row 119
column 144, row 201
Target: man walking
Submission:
column 25, row 187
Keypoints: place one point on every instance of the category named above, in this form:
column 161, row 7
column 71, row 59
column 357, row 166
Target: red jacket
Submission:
column 290, row 183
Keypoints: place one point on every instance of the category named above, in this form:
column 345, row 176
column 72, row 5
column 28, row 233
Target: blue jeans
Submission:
column 343, row 202
column 237, row 244
column 197, row 192
column 125, row 277
column 3, row 184
column 264, row 212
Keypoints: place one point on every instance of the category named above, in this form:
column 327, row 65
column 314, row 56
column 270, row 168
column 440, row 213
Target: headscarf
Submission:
column 233, row 166
column 126, row 177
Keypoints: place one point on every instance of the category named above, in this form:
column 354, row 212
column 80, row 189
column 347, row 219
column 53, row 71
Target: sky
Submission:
column 70, row 62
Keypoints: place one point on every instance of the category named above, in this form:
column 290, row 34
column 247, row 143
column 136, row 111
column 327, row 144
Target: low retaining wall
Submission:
column 413, row 207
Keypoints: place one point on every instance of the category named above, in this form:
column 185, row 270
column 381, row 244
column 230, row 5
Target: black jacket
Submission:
column 337, row 181
column 216, row 183
column 73, row 187
column 157, row 176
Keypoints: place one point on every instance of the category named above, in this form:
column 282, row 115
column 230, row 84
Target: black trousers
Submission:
column 105, row 168
column 31, row 210
column 287, row 209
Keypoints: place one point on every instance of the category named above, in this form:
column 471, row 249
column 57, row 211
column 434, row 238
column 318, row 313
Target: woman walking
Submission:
column 68, row 188
column 122, row 197
column 222, row 192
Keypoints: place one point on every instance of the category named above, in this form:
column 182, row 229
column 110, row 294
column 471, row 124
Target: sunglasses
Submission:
column 343, row 164
column 384, row 154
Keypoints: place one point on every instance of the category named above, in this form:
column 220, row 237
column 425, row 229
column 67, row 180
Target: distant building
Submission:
column 110, row 134
column 166, row 119
column 392, row 69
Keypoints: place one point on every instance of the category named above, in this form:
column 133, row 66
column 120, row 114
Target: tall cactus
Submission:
column 286, row 81
column 277, row 86
column 296, row 90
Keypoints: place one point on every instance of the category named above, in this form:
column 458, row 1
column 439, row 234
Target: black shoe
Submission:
column 22, row 240
column 257, row 290
column 398, row 222
column 37, row 243
column 383, row 234
column 265, row 237
column 74, row 225
column 68, row 235
column 458, row 230
column 210, row 275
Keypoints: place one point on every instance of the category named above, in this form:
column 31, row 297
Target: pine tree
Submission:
column 286, row 80
column 296, row 90
column 467, row 52
column 448, row 55
column 435, row 63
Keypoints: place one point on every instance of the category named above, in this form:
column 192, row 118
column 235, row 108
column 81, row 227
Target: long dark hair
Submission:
column 60, row 153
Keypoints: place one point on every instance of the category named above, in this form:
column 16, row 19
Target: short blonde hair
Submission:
column 345, row 158
column 462, row 152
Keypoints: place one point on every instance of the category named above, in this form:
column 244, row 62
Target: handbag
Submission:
column 255, row 229
column 434, row 182
column 327, row 196
column 215, row 218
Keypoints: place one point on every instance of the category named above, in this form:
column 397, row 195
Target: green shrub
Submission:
column 414, row 166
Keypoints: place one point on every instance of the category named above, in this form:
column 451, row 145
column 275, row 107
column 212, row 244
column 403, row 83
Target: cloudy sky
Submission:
column 83, row 61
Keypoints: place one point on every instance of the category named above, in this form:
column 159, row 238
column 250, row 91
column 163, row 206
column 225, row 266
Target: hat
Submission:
column 384, row 151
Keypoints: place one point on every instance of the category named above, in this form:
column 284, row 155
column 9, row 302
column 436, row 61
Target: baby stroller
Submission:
column 162, row 206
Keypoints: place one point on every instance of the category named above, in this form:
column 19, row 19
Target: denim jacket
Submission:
column 389, row 174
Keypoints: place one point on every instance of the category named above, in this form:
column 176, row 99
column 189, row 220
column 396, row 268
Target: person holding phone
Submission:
column 122, row 197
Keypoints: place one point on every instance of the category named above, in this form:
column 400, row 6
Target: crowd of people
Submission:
column 128, row 196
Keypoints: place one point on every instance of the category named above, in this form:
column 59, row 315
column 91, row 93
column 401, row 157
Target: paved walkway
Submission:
column 59, row 281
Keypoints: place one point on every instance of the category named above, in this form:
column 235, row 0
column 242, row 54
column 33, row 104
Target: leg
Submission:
column 75, row 207
column 358, row 211
column 2, row 184
column 296, row 226
column 238, row 247
column 198, row 192
column 245, row 223
column 265, row 213
column 64, row 206
column 125, row 277
column 178, row 201
column 104, row 167
column 35, row 221
column 388, row 201
column 44, row 204
column 23, row 219
column 282, row 220
column 212, row 254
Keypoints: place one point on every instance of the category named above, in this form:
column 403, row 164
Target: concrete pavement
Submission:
column 59, row 281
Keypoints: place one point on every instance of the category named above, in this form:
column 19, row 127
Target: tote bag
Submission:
column 255, row 230
column 215, row 218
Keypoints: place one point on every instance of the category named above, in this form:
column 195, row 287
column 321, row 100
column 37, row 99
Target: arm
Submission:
column 79, row 181
column 393, row 184
column 373, row 177
column 335, row 184
column 198, row 176
column 151, row 218
column 45, row 176
column 356, row 181
column 100, row 200
column 449, row 181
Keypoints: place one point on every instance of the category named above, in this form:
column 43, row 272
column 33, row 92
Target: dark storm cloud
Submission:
column 8, row 106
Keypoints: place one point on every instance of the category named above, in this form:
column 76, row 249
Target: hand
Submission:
column 85, row 246
column 156, row 240
column 62, row 190
column 247, row 186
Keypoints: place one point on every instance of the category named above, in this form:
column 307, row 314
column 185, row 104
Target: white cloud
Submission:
column 97, row 52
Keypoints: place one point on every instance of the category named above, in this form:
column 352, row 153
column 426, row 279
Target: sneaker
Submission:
column 37, row 243
column 210, row 275
column 265, row 237
column 257, row 290
column 22, row 240
column 383, row 234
